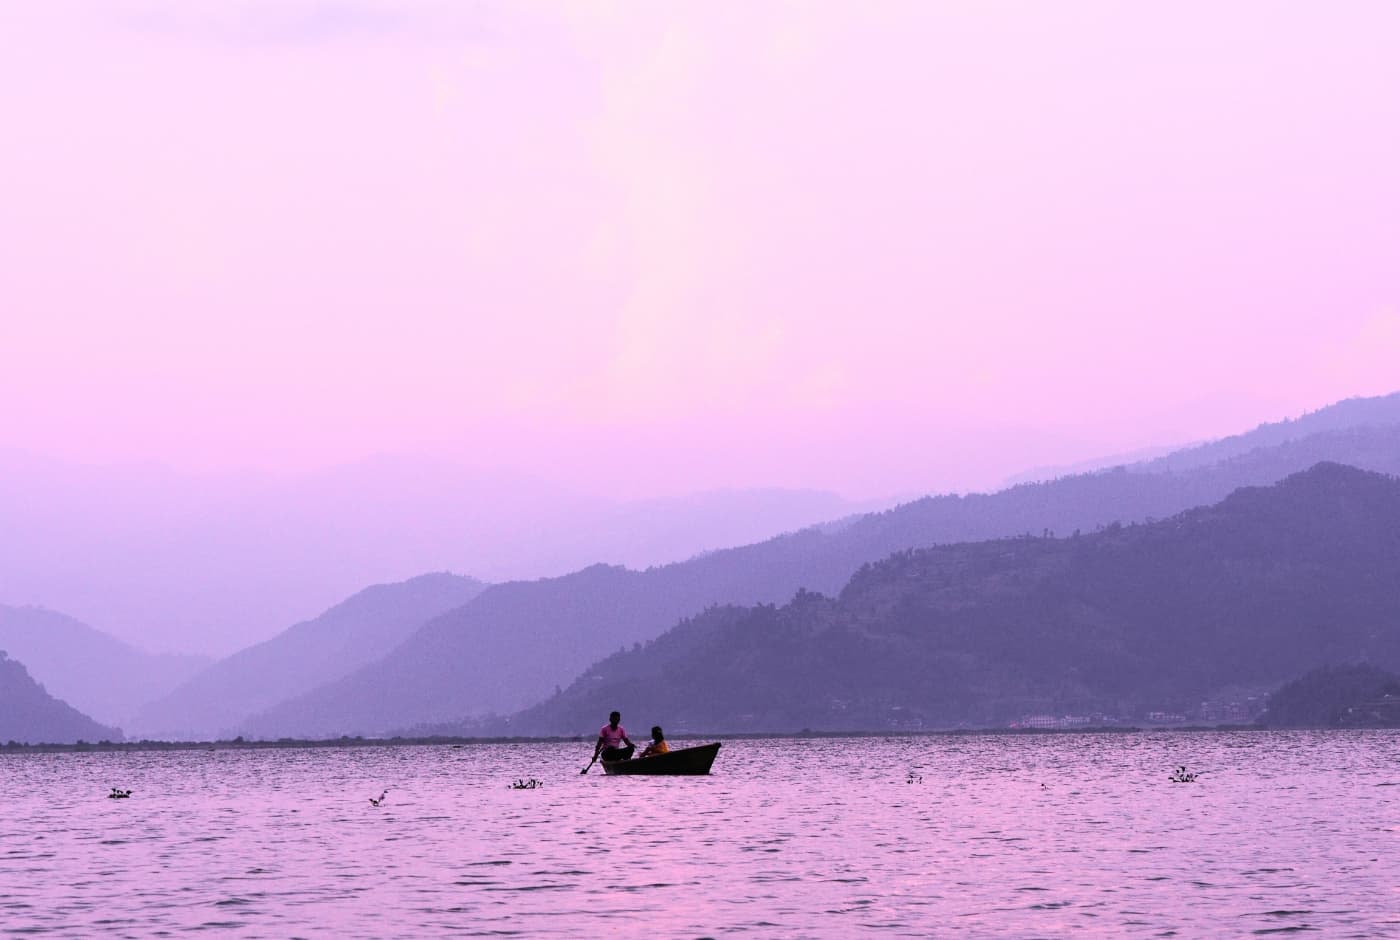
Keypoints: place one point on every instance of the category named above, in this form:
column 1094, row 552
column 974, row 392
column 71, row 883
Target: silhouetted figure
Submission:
column 613, row 743
column 658, row 743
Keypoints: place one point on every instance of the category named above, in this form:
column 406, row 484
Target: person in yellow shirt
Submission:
column 658, row 744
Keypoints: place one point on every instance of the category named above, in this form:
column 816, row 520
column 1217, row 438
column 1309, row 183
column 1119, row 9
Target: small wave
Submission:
column 1300, row 928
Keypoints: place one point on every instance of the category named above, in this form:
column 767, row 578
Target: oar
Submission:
column 591, row 763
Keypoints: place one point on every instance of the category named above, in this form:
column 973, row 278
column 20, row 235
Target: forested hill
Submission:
column 1354, row 695
column 30, row 715
column 1255, row 590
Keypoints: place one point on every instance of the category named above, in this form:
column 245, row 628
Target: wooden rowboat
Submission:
column 687, row 761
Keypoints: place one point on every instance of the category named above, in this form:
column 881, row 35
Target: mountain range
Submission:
column 1345, row 415
column 440, row 649
column 211, row 562
column 356, row 631
column 1265, row 585
column 515, row 643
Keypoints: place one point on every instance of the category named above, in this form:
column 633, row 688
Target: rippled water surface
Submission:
column 929, row 836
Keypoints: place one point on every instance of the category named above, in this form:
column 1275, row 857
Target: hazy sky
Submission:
column 652, row 247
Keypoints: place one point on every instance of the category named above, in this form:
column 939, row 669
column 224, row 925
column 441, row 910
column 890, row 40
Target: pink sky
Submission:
column 650, row 248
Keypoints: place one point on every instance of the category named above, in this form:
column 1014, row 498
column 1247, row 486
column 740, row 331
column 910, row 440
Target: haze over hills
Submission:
column 356, row 631
column 212, row 562
column 1255, row 590
column 30, row 715
column 516, row 642
column 1378, row 411
column 100, row 675
column 1041, row 474
column 513, row 643
column 1348, row 414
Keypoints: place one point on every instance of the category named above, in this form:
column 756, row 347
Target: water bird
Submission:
column 118, row 794
column 914, row 778
column 1181, row 775
column 374, row 802
column 523, row 784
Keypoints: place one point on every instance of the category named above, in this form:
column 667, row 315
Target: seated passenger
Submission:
column 658, row 744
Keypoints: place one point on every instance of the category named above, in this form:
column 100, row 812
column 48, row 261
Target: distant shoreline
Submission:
column 446, row 740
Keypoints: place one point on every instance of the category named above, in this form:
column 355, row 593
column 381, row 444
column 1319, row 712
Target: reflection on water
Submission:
column 974, row 836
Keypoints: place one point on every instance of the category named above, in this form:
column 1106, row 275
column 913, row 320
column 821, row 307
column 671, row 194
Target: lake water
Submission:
column 1001, row 837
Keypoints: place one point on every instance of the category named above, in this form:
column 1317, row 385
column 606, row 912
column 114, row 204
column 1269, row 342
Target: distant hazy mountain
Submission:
column 210, row 563
column 511, row 645
column 97, row 673
column 516, row 642
column 344, row 638
column 1040, row 474
column 1344, row 415
column 30, row 715
column 1266, row 584
column 1350, row 414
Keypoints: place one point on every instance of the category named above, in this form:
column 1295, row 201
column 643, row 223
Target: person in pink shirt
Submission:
column 613, row 743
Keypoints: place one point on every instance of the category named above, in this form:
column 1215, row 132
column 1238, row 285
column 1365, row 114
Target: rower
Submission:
column 611, row 741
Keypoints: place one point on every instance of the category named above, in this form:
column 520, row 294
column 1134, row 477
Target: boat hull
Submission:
column 685, row 762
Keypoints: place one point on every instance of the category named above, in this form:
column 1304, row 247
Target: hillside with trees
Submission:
column 1127, row 621
column 1346, row 696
